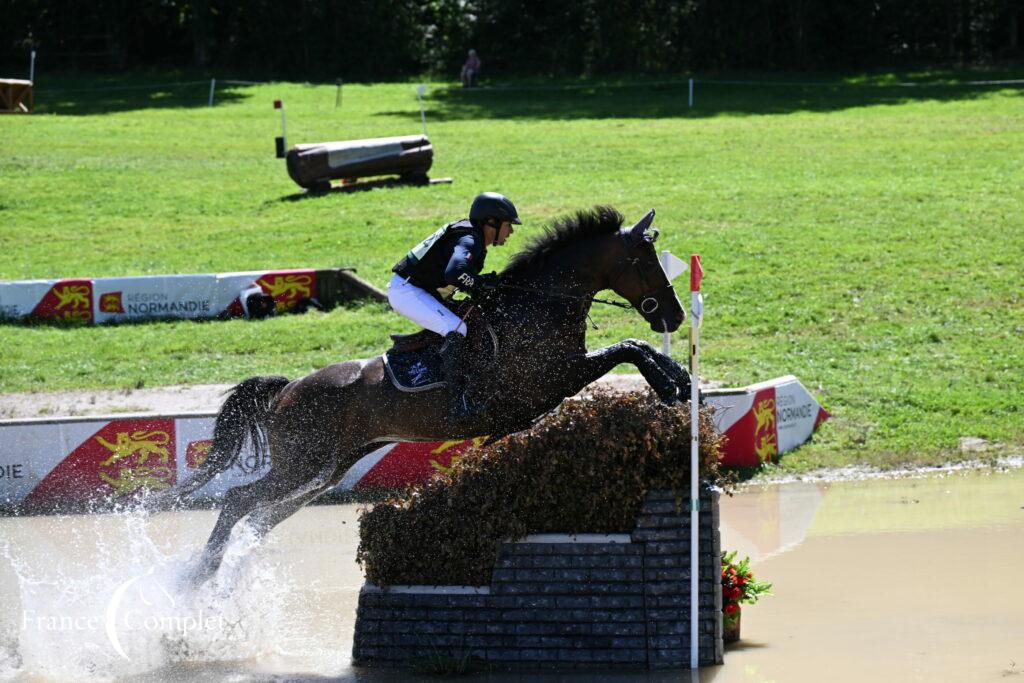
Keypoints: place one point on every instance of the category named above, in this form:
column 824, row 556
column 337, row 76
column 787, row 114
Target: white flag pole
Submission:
column 666, row 337
column 696, row 315
column 282, row 142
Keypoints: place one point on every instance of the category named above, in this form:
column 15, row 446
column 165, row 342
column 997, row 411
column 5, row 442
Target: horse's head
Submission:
column 639, row 278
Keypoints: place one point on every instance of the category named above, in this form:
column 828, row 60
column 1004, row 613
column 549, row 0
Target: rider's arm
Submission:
column 460, row 270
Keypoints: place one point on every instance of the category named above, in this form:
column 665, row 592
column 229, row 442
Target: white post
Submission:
column 691, row 93
column 696, row 315
column 32, row 68
column 213, row 86
column 420, row 89
column 666, row 338
column 279, row 104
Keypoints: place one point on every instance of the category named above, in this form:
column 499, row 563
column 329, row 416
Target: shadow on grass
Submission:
column 91, row 95
column 757, row 94
column 362, row 186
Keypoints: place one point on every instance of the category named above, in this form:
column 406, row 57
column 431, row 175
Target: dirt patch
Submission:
column 171, row 400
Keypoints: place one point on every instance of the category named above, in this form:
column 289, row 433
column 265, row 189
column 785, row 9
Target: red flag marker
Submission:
column 696, row 273
column 277, row 104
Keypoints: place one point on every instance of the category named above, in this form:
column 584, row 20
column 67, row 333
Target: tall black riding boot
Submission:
column 456, row 373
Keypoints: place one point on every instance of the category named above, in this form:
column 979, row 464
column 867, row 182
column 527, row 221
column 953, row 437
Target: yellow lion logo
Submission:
column 143, row 443
column 141, row 474
column 445, row 445
column 764, row 414
column 74, row 296
column 766, row 448
column 288, row 286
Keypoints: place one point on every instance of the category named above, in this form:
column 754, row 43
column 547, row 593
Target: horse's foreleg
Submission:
column 679, row 374
column 598, row 363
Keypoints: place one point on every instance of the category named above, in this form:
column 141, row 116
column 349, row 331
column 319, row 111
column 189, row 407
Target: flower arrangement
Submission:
column 738, row 586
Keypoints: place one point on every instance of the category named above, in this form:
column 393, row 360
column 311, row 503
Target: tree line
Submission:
column 374, row 39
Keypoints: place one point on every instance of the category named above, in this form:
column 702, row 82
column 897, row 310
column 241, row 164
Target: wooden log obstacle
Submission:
column 15, row 96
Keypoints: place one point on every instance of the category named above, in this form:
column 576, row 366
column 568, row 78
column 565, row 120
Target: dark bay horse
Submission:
column 316, row 427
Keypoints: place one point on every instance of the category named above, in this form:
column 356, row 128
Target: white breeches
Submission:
column 421, row 308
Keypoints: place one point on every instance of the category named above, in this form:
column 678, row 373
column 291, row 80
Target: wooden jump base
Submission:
column 559, row 601
column 15, row 96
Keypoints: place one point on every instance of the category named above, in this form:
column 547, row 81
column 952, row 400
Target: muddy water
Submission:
column 892, row 580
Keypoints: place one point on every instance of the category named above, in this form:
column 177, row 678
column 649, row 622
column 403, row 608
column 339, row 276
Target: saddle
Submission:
column 414, row 363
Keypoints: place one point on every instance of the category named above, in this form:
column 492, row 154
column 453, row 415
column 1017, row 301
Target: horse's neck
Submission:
column 578, row 273
column 566, row 286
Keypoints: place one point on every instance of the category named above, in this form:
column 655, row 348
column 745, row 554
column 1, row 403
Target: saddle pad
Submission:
column 418, row 370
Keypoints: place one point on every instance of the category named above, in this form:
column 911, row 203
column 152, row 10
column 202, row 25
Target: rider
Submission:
column 452, row 256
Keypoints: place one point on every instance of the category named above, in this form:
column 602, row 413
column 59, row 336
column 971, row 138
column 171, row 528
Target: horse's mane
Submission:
column 600, row 220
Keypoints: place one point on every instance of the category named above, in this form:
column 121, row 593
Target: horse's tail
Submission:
column 243, row 415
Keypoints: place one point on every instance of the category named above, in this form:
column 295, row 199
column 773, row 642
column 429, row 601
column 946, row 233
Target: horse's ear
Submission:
column 636, row 233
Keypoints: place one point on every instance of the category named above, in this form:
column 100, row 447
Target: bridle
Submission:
column 648, row 303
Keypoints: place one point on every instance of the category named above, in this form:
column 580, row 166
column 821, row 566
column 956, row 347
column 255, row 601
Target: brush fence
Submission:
column 564, row 601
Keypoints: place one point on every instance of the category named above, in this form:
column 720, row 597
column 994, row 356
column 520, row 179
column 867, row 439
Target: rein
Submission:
column 563, row 295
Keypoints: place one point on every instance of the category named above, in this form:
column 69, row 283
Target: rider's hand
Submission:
column 487, row 281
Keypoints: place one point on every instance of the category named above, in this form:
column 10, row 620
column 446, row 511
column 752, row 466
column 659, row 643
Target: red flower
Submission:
column 731, row 608
column 734, row 594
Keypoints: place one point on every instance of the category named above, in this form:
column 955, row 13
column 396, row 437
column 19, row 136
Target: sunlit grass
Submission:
column 868, row 240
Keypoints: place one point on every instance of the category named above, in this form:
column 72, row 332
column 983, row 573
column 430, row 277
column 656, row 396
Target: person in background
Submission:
column 470, row 70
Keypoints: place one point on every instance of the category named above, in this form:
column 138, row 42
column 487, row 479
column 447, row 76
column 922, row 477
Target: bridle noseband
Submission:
column 649, row 301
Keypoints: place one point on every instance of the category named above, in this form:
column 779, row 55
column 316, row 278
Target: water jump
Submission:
column 530, row 328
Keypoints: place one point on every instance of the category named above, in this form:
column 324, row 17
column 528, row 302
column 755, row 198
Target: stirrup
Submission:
column 463, row 409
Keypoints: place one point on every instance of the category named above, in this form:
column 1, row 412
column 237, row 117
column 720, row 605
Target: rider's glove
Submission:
column 478, row 285
column 487, row 281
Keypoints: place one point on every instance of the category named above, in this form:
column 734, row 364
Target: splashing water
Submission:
column 96, row 597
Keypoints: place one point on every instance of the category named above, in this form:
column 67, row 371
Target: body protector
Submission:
column 453, row 255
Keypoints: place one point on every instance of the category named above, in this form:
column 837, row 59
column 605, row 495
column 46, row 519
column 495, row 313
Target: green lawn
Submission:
column 866, row 237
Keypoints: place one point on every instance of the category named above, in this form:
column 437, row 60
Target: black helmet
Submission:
column 492, row 205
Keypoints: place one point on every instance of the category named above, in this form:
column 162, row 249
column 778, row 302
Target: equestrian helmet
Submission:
column 493, row 205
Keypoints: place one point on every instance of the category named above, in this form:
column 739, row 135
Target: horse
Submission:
column 315, row 428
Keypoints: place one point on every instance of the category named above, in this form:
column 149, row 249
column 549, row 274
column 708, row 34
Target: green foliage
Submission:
column 368, row 39
column 585, row 469
column 738, row 583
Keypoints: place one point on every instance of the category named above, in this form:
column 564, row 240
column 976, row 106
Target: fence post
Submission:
column 213, row 86
column 420, row 90
column 32, row 68
column 691, row 93
column 666, row 338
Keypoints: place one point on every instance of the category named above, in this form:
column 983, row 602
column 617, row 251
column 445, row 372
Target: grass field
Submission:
column 865, row 236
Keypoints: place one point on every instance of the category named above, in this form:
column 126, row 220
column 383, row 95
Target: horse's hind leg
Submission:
column 271, row 514
column 239, row 502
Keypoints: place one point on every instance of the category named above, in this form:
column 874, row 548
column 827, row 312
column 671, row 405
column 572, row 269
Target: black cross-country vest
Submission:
column 425, row 263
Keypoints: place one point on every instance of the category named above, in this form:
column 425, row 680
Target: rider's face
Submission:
column 497, row 236
column 503, row 233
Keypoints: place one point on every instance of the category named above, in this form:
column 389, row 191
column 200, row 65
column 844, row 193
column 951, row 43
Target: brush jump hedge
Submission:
column 564, row 546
